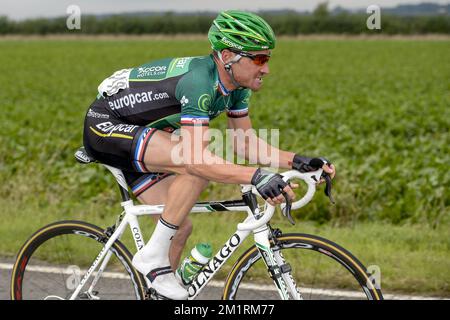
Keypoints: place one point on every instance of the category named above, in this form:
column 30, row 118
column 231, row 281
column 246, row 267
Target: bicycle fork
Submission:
column 103, row 257
column 278, row 269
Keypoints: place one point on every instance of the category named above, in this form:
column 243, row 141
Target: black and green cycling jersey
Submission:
column 168, row 93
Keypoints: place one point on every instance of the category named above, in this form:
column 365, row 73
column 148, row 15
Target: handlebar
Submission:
column 310, row 178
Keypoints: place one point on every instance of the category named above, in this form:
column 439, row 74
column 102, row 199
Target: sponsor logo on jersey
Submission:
column 204, row 102
column 151, row 71
column 184, row 101
column 181, row 62
column 132, row 99
column 93, row 114
column 109, row 127
column 246, row 98
column 213, row 113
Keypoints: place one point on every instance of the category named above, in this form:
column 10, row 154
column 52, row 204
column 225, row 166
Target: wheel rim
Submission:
column 53, row 262
column 315, row 270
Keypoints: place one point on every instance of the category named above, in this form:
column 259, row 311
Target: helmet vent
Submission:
column 239, row 28
column 241, row 39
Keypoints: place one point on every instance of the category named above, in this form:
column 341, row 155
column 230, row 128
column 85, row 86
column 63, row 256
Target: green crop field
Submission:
column 380, row 110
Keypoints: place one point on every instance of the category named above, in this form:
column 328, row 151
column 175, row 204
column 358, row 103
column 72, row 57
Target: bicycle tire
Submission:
column 324, row 247
column 66, row 228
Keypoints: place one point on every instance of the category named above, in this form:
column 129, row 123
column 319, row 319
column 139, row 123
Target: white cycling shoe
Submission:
column 162, row 278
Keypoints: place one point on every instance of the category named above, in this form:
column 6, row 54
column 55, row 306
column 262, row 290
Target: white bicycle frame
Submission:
column 256, row 223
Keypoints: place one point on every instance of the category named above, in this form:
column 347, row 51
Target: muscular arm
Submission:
column 199, row 161
column 259, row 147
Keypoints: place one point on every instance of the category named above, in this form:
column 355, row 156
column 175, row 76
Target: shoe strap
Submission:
column 158, row 272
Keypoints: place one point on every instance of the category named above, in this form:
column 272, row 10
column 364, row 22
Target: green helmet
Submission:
column 240, row 30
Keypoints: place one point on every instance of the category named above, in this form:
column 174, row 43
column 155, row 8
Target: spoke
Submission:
column 46, row 275
column 320, row 269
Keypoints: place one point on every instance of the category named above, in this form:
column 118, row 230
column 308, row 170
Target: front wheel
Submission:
column 316, row 267
column 53, row 262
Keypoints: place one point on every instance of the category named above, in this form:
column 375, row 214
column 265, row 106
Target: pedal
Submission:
column 152, row 294
column 89, row 295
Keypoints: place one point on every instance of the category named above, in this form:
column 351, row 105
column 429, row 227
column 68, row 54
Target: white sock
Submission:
column 153, row 262
column 157, row 248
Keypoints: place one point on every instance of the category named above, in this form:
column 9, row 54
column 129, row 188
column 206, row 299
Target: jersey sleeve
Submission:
column 239, row 108
column 194, row 92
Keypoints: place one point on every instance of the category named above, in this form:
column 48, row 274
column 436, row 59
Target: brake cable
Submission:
column 286, row 211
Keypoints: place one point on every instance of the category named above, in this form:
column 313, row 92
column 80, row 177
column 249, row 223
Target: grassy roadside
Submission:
column 201, row 37
column 410, row 256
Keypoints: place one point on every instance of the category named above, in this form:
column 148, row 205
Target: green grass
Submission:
column 412, row 258
column 378, row 109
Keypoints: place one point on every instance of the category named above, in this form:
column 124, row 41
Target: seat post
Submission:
column 120, row 178
column 124, row 193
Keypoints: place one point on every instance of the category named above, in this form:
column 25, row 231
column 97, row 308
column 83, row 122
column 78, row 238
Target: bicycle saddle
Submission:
column 82, row 156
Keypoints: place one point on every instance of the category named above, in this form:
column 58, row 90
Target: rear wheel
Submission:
column 320, row 268
column 54, row 260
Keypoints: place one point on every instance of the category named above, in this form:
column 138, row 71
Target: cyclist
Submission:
column 130, row 124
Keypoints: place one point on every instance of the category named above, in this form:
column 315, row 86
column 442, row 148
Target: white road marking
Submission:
column 68, row 271
column 220, row 284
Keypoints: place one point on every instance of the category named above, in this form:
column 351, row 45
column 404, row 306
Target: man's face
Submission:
column 247, row 73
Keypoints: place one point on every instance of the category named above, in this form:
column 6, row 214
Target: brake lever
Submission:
column 286, row 211
column 328, row 187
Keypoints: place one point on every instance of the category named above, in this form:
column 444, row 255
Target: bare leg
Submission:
column 153, row 259
column 158, row 195
column 181, row 197
column 185, row 189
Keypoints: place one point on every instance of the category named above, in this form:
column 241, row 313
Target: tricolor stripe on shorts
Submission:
column 188, row 120
column 141, row 146
column 146, row 183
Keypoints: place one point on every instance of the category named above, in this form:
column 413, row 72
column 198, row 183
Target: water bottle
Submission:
column 192, row 264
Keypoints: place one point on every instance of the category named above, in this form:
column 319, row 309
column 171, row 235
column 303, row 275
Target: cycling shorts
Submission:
column 111, row 141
